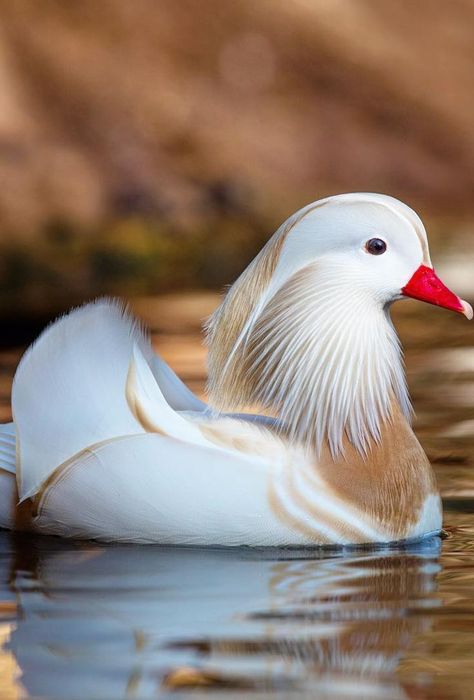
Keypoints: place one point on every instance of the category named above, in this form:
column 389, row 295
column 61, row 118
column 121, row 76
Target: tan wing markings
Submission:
column 349, row 531
column 389, row 485
column 290, row 520
column 40, row 500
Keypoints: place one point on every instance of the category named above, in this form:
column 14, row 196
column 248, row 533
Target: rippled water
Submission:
column 82, row 620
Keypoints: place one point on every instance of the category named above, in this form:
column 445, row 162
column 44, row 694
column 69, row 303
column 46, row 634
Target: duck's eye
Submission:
column 376, row 246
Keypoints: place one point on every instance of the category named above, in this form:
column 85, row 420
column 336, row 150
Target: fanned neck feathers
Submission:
column 317, row 352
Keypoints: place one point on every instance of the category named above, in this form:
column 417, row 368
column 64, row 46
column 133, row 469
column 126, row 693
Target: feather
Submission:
column 294, row 336
column 175, row 392
column 149, row 406
column 69, row 389
column 8, row 447
column 151, row 488
column 326, row 368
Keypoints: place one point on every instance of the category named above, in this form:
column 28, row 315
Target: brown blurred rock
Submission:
column 143, row 107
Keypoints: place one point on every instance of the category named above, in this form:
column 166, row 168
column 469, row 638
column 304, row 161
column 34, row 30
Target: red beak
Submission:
column 425, row 285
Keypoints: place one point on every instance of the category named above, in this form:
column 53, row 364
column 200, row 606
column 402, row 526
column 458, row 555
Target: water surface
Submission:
column 83, row 620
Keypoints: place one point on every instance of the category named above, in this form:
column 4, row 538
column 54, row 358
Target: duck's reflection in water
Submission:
column 126, row 621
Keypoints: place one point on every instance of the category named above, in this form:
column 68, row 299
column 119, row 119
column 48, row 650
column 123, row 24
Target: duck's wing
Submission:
column 148, row 404
column 152, row 488
column 175, row 392
column 70, row 390
column 105, row 456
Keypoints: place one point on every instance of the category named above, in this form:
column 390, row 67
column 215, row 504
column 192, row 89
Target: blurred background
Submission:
column 153, row 146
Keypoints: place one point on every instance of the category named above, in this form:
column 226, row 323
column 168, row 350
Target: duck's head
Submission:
column 305, row 331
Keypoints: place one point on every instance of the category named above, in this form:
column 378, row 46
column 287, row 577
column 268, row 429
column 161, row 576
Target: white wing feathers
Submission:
column 175, row 392
column 151, row 488
column 150, row 408
column 73, row 386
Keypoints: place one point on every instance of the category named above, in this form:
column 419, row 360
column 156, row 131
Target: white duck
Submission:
column 108, row 443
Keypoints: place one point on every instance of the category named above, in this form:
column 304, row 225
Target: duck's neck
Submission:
column 319, row 353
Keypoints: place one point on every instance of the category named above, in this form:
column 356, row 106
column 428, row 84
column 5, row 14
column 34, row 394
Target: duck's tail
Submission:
column 72, row 390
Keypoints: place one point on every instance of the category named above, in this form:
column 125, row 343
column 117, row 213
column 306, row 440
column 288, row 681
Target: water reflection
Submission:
column 124, row 621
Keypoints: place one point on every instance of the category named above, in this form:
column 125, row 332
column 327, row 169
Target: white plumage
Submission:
column 108, row 443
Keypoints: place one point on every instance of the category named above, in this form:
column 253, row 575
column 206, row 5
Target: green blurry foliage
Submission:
column 126, row 256
column 140, row 255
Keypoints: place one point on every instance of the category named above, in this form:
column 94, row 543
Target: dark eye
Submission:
column 376, row 246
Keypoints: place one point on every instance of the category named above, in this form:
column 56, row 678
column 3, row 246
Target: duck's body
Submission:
column 108, row 443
